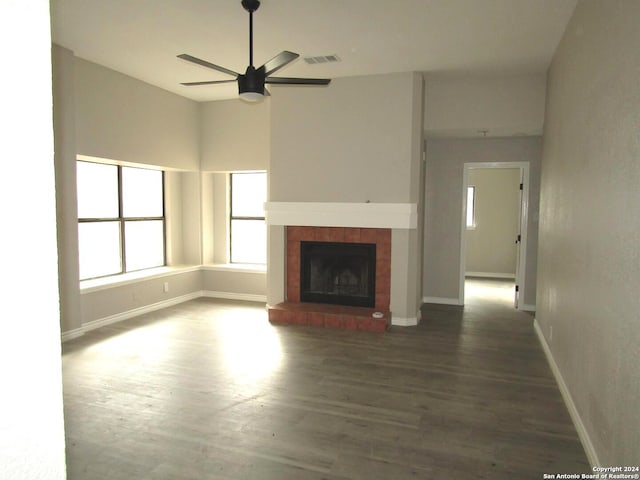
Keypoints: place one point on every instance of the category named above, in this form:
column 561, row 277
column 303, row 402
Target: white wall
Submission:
column 31, row 415
column 235, row 283
column 103, row 305
column 357, row 140
column 589, row 265
column 491, row 246
column 66, row 193
column 503, row 105
column 348, row 142
column 105, row 114
column 234, row 135
column 123, row 119
column 443, row 207
column 183, row 220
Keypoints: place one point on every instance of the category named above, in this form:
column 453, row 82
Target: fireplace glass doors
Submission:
column 338, row 273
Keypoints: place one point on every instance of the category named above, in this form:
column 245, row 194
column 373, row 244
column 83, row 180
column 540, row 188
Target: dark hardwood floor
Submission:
column 210, row 390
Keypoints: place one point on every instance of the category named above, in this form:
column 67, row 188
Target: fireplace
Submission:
column 296, row 310
column 338, row 273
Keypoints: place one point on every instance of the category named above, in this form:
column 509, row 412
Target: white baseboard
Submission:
column 118, row 317
column 404, row 322
column 247, row 297
column 527, row 308
column 71, row 334
column 442, row 300
column 589, row 449
column 511, row 276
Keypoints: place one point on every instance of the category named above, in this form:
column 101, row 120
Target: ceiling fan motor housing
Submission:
column 251, row 81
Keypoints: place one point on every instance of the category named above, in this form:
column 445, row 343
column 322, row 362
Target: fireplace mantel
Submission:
column 360, row 215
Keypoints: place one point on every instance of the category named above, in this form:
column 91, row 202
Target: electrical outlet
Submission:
column 166, row 287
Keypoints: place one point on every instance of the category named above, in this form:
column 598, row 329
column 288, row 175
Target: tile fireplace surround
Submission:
column 293, row 312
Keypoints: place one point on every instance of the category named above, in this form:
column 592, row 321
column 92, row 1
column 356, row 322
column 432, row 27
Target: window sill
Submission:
column 87, row 286
column 236, row 267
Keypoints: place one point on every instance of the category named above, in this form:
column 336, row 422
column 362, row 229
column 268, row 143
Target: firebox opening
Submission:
column 338, row 273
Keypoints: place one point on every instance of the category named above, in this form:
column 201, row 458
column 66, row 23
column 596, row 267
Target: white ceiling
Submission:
column 141, row 38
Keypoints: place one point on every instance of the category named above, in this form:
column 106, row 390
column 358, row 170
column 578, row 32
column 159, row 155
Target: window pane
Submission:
column 248, row 241
column 471, row 205
column 144, row 244
column 97, row 190
column 99, row 246
column 141, row 192
column 248, row 194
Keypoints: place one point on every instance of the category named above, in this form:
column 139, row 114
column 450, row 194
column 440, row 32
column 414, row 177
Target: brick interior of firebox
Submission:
column 293, row 312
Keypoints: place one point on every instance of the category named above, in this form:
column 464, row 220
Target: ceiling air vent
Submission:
column 322, row 59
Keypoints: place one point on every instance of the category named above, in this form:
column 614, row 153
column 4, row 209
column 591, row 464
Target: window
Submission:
column 121, row 220
column 471, row 207
column 248, row 229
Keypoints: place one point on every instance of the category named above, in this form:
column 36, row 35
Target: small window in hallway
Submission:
column 471, row 206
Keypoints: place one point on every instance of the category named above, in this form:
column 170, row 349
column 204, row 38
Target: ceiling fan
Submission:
column 251, row 84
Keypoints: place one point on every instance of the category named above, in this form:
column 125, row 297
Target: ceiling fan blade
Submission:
column 279, row 61
column 206, row 64
column 297, row 81
column 210, row 82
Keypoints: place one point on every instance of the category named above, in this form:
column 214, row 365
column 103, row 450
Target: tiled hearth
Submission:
column 293, row 312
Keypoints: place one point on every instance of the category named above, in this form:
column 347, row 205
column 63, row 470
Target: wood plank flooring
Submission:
column 210, row 390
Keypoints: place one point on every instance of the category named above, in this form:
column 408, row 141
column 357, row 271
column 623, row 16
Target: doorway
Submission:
column 493, row 232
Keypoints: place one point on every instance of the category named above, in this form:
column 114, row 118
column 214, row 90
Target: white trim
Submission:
column 247, row 297
column 71, row 334
column 118, row 317
column 511, row 276
column 363, row 215
column 442, row 300
column 404, row 322
column 236, row 267
column 527, row 308
column 589, row 449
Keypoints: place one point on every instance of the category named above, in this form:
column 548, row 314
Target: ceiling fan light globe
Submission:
column 252, row 96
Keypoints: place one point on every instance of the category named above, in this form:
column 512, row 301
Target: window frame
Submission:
column 122, row 220
column 233, row 217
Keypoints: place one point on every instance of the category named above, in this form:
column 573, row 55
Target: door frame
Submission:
column 521, row 262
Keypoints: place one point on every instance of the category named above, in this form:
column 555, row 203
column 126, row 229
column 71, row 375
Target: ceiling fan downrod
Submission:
column 251, row 6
